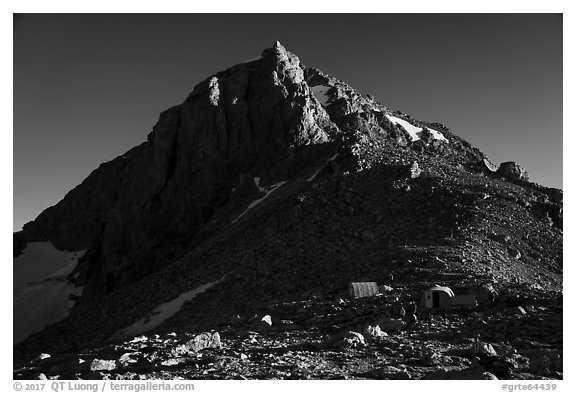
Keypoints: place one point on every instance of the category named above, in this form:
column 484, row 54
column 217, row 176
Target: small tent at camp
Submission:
column 437, row 297
column 363, row 289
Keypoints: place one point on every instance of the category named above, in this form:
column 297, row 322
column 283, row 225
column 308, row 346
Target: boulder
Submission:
column 512, row 170
column 385, row 288
column 201, row 341
column 262, row 324
column 102, row 365
column 413, row 170
column 348, row 339
column 128, row 358
column 173, row 362
column 488, row 349
column 42, row 356
column 519, row 310
column 373, row 332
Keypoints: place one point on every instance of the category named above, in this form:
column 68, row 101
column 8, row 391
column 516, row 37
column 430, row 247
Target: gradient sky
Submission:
column 89, row 87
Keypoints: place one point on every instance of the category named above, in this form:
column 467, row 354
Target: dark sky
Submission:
column 89, row 87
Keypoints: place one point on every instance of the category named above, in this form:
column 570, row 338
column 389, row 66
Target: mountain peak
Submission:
column 273, row 171
column 280, row 54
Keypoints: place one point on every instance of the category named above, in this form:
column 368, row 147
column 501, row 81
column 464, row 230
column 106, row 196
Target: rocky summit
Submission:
column 224, row 246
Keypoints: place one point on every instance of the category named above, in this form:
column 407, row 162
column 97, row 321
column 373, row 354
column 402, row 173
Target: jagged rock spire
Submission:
column 277, row 49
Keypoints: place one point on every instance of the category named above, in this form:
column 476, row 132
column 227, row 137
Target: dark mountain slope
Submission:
column 285, row 184
column 140, row 211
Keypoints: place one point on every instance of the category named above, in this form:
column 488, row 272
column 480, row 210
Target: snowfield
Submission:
column 251, row 60
column 41, row 289
column 411, row 129
column 257, row 182
column 437, row 135
column 273, row 188
column 165, row 311
column 313, row 176
column 414, row 131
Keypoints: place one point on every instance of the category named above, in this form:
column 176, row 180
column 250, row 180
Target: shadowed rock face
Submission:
column 270, row 118
column 138, row 212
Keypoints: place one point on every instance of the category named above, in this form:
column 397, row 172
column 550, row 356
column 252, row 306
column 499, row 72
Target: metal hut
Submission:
column 363, row 289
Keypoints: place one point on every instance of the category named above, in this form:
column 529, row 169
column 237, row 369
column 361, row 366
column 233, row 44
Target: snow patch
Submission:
column 491, row 167
column 251, row 60
column 314, row 174
column 321, row 167
column 273, row 188
column 41, row 287
column 437, row 135
column 257, row 182
column 410, row 128
column 320, row 92
column 165, row 311
column 414, row 131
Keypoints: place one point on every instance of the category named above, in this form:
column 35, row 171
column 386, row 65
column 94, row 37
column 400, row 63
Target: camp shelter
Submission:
column 363, row 289
column 437, row 297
